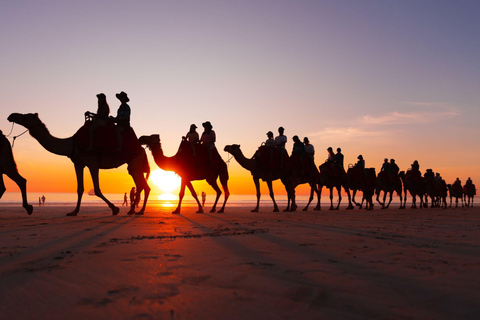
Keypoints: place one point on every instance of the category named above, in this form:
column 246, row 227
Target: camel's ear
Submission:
column 36, row 114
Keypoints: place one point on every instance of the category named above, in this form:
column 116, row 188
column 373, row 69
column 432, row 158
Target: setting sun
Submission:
column 166, row 181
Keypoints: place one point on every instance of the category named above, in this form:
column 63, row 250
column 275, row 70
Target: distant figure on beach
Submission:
column 99, row 119
column 39, row 201
column 204, row 197
column 270, row 142
column 281, row 139
column 208, row 138
column 192, row 137
column 43, row 200
column 125, row 200
column 132, row 196
column 123, row 118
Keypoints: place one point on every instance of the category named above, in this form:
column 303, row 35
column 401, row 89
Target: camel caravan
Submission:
column 106, row 142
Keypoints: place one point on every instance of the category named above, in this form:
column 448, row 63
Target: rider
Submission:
column 386, row 169
column 192, row 137
column 208, row 138
column 99, row 119
column 123, row 117
column 270, row 142
column 298, row 153
column 360, row 163
column 339, row 160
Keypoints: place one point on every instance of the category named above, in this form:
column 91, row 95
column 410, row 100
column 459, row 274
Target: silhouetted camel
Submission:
column 388, row 186
column 330, row 180
column 70, row 147
column 311, row 177
column 364, row 180
column 456, row 191
column 284, row 172
column 415, row 185
column 469, row 192
column 191, row 168
column 9, row 168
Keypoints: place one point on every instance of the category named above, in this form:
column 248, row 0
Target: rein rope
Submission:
column 15, row 137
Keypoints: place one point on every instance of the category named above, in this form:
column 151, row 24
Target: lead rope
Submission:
column 15, row 137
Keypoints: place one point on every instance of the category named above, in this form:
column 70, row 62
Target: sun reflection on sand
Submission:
column 167, row 200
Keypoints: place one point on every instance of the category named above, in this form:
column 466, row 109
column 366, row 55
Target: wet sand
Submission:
column 383, row 264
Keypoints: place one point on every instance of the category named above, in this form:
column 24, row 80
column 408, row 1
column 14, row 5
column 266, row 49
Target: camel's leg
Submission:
column 389, row 199
column 226, row 191
column 319, row 195
column 141, row 185
column 181, row 194
column 339, row 190
column 350, row 205
column 378, row 191
column 96, row 186
column 22, row 184
column 293, row 206
column 272, row 196
column 331, row 198
column 215, row 187
column 312, row 190
column 194, row 195
column 2, row 186
column 80, row 188
column 257, row 188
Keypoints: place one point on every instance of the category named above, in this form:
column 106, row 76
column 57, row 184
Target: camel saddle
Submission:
column 332, row 171
column 201, row 157
column 356, row 174
column 105, row 140
column 271, row 158
column 414, row 175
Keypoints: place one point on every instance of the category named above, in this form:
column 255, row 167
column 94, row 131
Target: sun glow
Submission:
column 166, row 181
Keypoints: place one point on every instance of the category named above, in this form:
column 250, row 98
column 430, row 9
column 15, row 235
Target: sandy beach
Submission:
column 383, row 264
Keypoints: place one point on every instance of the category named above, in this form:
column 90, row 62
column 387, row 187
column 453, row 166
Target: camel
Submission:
column 9, row 168
column 70, row 147
column 310, row 177
column 388, row 186
column 364, row 180
column 456, row 191
column 415, row 185
column 469, row 192
column 331, row 179
column 284, row 172
column 184, row 164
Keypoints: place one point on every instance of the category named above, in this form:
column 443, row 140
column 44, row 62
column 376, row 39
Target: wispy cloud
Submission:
column 425, row 112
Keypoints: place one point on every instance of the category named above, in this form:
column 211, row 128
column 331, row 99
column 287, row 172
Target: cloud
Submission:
column 425, row 112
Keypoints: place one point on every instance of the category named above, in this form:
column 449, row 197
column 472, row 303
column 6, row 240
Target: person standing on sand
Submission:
column 132, row 196
column 125, row 200
column 39, row 201
column 43, row 200
column 204, row 197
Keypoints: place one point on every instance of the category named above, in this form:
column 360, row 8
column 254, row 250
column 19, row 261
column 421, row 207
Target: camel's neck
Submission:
column 63, row 147
column 163, row 162
column 249, row 164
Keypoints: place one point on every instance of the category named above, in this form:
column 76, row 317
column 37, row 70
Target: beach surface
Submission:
column 380, row 264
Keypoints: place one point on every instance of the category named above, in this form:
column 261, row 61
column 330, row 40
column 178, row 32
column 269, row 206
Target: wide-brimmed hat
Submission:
column 207, row 124
column 122, row 96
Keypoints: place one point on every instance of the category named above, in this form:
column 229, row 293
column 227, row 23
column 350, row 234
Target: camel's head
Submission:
column 28, row 120
column 150, row 140
column 232, row 149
